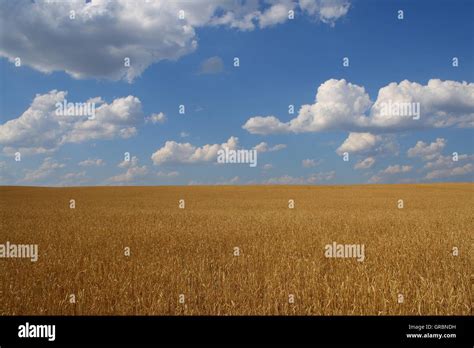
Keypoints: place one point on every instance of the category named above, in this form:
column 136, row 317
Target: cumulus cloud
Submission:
column 310, row 163
column 312, row 179
column 167, row 174
column 442, row 104
column 174, row 152
column 268, row 166
column 447, row 161
column 132, row 173
column 439, row 166
column 263, row 147
column 232, row 181
column 73, row 175
column 341, row 105
column 73, row 179
column 156, row 118
column 369, row 146
column 395, row 169
column 327, row 10
column 266, row 125
column 450, row 172
column 427, row 151
column 40, row 130
column 92, row 163
column 104, row 33
column 212, row 65
column 48, row 167
column 276, row 14
column 365, row 163
column 286, row 180
column 358, row 142
column 337, row 104
column 392, row 170
column 132, row 162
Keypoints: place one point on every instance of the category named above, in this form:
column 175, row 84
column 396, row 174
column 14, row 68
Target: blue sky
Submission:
column 282, row 61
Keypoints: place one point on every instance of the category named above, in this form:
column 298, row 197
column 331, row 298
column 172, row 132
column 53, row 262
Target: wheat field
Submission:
column 184, row 262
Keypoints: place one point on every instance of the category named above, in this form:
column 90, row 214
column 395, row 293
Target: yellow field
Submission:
column 190, row 251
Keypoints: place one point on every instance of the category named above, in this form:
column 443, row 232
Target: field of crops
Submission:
column 236, row 250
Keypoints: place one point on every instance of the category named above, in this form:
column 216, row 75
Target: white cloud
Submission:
column 427, row 152
column 438, row 165
column 340, row 105
column 265, row 125
column 267, row 166
column 451, row 172
column 395, row 169
column 105, row 32
column 390, row 171
column 442, row 104
column 92, row 163
column 156, row 118
column 369, row 145
column 40, row 130
column 73, row 175
column 447, row 161
column 102, row 34
column 322, row 176
column 310, row 163
column 167, row 174
column 133, row 172
column 276, row 14
column 358, row 142
column 312, row 179
column 73, row 179
column 133, row 162
column 212, row 65
column 232, row 181
column 263, row 147
column 365, row 163
column 174, row 152
column 327, row 11
column 286, row 180
column 48, row 167
column 337, row 104
column 375, row 179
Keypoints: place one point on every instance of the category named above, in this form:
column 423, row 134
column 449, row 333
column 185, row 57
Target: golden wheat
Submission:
column 190, row 251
